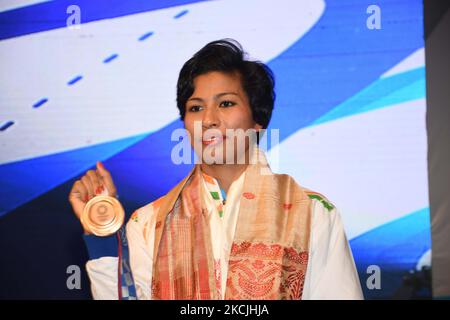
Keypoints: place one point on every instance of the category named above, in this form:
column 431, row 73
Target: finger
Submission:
column 101, row 182
column 77, row 198
column 96, row 183
column 102, row 185
column 106, row 178
column 78, row 191
column 88, row 185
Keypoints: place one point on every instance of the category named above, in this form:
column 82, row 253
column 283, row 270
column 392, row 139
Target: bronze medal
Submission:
column 103, row 216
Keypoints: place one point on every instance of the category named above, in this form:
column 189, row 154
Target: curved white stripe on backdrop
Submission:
column 135, row 93
column 372, row 165
column 413, row 61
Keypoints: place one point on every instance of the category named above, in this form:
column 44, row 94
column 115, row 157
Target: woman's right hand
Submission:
column 93, row 183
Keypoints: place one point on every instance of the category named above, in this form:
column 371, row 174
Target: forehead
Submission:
column 216, row 81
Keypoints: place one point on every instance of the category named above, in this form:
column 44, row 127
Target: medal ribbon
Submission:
column 126, row 287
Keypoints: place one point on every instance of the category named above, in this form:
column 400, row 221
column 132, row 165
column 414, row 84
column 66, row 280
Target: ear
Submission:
column 257, row 127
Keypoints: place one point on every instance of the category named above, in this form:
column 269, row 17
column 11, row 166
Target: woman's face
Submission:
column 219, row 102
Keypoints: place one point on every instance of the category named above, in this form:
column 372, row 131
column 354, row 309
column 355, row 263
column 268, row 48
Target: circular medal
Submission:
column 103, row 215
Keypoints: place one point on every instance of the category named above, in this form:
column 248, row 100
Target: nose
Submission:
column 210, row 119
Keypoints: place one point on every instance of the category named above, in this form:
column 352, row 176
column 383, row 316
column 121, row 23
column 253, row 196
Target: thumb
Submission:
column 102, row 171
column 101, row 168
column 106, row 178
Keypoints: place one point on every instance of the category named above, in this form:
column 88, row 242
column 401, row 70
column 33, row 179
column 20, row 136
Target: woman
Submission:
column 231, row 229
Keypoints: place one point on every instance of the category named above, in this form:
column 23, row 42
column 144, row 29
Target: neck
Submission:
column 225, row 174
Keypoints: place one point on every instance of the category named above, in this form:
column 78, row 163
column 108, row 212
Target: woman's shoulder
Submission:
column 325, row 215
column 320, row 199
column 315, row 196
column 146, row 215
column 146, row 212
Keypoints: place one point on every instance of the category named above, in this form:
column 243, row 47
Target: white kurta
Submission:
column 331, row 271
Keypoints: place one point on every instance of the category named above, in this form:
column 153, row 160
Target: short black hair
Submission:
column 227, row 56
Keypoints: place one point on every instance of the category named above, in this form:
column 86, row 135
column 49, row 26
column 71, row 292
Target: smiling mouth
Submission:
column 213, row 140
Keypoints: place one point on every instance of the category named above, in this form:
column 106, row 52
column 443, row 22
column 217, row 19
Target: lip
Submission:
column 214, row 140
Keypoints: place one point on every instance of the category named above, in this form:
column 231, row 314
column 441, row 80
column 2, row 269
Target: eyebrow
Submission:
column 216, row 97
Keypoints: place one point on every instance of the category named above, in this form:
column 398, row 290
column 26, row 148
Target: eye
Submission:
column 195, row 109
column 227, row 103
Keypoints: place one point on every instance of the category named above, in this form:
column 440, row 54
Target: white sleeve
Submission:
column 331, row 271
column 102, row 269
column 102, row 273
column 141, row 251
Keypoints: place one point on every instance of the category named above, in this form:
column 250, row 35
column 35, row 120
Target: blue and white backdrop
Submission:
column 350, row 84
